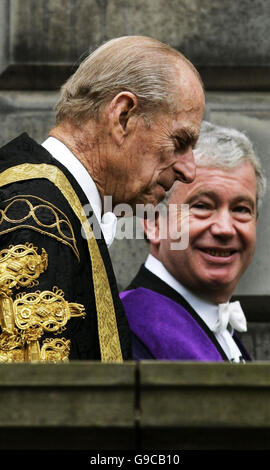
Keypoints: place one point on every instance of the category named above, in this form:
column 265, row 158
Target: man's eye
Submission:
column 200, row 205
column 242, row 209
column 201, row 209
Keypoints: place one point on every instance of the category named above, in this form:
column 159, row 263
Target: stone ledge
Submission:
column 206, row 395
column 158, row 374
column 71, row 374
column 150, row 404
column 66, row 395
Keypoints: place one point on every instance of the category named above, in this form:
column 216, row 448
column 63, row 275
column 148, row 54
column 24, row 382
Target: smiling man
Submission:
column 184, row 295
column 126, row 124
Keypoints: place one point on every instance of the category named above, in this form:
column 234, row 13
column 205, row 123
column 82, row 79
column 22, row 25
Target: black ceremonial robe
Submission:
column 41, row 203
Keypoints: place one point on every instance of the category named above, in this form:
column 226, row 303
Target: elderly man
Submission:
column 178, row 304
column 126, row 123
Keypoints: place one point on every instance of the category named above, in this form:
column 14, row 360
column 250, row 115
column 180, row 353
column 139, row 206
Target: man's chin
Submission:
column 218, row 285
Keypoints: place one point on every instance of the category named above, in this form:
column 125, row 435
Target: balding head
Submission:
column 141, row 65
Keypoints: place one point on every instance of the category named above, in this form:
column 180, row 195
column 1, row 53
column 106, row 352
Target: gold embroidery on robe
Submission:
column 54, row 350
column 24, row 320
column 46, row 309
column 35, row 213
column 107, row 325
column 20, row 266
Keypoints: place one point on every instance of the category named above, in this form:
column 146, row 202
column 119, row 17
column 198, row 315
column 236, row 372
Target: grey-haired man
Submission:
column 178, row 305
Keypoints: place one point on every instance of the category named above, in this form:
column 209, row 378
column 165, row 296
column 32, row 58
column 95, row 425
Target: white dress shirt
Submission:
column 206, row 310
column 61, row 153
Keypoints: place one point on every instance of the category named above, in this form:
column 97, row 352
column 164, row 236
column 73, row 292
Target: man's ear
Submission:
column 153, row 229
column 121, row 114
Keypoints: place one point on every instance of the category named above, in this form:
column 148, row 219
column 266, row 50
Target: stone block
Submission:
column 67, row 395
column 30, row 112
column 204, row 405
column 77, row 403
column 196, row 394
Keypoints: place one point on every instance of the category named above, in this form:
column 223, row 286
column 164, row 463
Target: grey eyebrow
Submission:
column 186, row 136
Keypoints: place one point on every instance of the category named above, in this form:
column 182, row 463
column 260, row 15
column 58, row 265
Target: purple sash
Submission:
column 166, row 328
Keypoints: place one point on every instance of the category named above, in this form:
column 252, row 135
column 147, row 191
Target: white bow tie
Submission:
column 108, row 226
column 230, row 313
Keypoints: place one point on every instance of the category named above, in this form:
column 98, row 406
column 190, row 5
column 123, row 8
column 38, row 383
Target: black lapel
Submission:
column 147, row 279
column 242, row 348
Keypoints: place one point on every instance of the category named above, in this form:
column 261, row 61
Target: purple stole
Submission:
column 166, row 328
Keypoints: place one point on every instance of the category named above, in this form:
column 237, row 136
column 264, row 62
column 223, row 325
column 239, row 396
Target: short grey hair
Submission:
column 222, row 147
column 141, row 65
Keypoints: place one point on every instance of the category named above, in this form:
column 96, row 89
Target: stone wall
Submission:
column 42, row 41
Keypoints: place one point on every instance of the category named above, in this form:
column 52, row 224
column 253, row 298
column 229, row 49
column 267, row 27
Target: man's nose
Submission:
column 185, row 168
column 223, row 225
